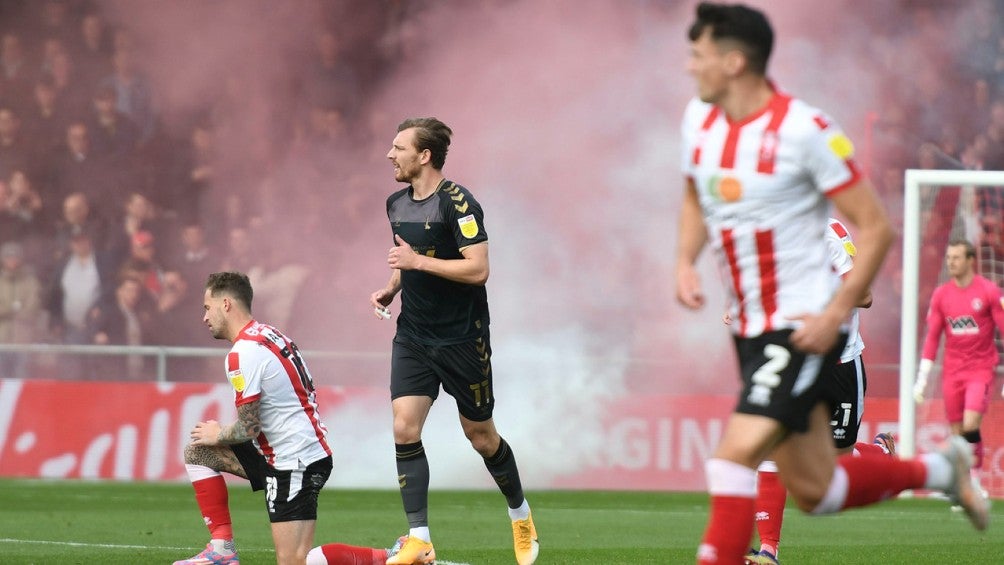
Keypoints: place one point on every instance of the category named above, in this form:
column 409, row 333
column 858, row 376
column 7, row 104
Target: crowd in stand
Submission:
column 940, row 109
column 112, row 212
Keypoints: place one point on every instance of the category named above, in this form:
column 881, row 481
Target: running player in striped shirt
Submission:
column 278, row 442
column 843, row 389
column 761, row 170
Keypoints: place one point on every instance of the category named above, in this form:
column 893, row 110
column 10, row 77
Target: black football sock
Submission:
column 413, row 478
column 502, row 466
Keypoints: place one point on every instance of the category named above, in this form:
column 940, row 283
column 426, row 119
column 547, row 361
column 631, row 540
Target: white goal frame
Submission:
column 908, row 352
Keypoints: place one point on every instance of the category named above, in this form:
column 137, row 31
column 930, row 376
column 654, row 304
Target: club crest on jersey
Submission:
column 468, row 226
column 237, row 380
column 841, row 146
column 977, row 304
column 768, row 147
column 728, row 189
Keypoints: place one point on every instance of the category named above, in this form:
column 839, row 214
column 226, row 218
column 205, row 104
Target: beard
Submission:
column 217, row 332
column 406, row 174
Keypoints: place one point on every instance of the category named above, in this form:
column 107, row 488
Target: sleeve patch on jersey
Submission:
column 1002, row 302
column 841, row 146
column 237, row 380
column 468, row 226
column 850, row 249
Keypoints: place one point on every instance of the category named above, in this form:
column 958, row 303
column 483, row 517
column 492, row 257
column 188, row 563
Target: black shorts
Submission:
column 780, row 382
column 289, row 495
column 844, row 390
column 464, row 370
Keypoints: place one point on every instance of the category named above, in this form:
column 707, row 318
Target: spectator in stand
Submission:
column 994, row 154
column 73, row 168
column 24, row 206
column 195, row 258
column 75, row 92
column 20, row 308
column 195, row 171
column 47, row 118
column 94, row 51
column 127, row 320
column 277, row 280
column 113, row 134
column 52, row 47
column 329, row 78
column 990, row 203
column 977, row 113
column 55, row 21
column 8, row 223
column 139, row 214
column 992, row 238
column 79, row 287
column 142, row 264
column 77, row 218
column 14, row 152
column 242, row 253
column 329, row 135
column 173, row 310
column 16, row 80
column 123, row 39
column 133, row 94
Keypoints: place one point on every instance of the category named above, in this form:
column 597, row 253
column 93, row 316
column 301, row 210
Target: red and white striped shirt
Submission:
column 842, row 252
column 762, row 184
column 265, row 365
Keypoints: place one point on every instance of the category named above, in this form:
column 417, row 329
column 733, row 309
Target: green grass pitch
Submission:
column 82, row 522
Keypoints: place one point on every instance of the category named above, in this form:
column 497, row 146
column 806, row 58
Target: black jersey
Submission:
column 434, row 310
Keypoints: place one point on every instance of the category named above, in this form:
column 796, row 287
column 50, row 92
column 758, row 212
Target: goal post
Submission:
column 914, row 181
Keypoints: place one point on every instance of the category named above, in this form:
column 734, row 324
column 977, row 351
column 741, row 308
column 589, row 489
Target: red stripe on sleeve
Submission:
column 838, row 228
column 233, row 362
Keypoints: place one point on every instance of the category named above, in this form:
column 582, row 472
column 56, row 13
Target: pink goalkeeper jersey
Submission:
column 762, row 184
column 265, row 365
column 967, row 316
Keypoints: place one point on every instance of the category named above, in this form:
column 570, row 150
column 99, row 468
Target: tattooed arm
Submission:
column 247, row 426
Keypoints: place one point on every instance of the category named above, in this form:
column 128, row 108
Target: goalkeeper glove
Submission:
column 921, row 383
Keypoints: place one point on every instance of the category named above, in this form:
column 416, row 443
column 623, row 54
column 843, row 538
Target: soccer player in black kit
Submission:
column 440, row 262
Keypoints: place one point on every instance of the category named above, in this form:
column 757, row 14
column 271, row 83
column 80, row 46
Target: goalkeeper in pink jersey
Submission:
column 966, row 309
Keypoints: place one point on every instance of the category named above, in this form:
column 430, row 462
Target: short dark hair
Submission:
column 430, row 134
column 740, row 23
column 237, row 285
column 970, row 249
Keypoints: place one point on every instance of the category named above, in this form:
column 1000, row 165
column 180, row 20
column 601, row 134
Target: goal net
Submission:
column 940, row 205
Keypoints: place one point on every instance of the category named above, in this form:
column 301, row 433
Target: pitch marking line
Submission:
column 127, row 546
